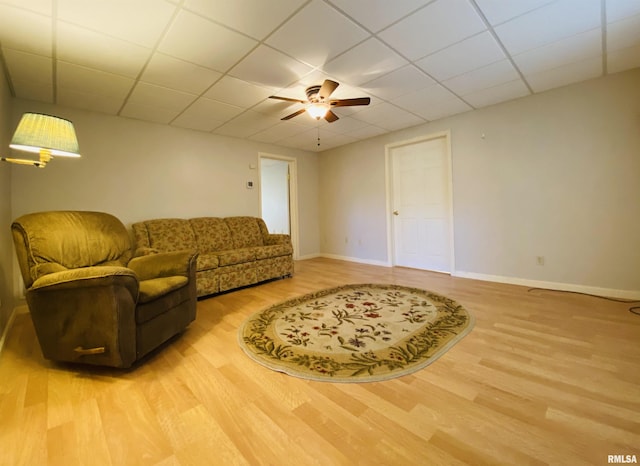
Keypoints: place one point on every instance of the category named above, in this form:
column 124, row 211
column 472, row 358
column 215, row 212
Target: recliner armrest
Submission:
column 164, row 264
column 85, row 277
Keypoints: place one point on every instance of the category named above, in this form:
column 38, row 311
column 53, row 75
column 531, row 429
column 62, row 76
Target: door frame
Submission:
column 293, row 196
column 388, row 168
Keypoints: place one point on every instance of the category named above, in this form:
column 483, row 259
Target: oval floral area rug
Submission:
column 355, row 333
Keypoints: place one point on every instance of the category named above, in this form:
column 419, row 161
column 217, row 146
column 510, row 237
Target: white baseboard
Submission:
column 356, row 259
column 308, row 256
column 607, row 292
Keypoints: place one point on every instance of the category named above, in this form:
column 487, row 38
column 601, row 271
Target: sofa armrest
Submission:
column 277, row 238
column 164, row 264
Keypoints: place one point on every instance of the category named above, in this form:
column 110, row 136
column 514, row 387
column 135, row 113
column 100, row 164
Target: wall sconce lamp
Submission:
column 45, row 135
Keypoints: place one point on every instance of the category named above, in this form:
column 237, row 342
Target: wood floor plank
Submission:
column 543, row 378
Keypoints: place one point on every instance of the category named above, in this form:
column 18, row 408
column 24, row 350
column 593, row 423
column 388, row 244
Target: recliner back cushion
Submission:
column 170, row 234
column 245, row 232
column 58, row 240
column 212, row 234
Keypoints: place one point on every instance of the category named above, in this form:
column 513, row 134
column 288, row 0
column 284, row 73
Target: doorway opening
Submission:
column 279, row 195
column 419, row 203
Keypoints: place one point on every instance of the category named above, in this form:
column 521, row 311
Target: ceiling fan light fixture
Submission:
column 318, row 110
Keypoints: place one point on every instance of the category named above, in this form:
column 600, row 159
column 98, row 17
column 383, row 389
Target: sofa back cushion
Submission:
column 170, row 234
column 212, row 234
column 54, row 241
column 245, row 232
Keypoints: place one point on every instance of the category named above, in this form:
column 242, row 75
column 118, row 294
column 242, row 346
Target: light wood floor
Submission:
column 544, row 378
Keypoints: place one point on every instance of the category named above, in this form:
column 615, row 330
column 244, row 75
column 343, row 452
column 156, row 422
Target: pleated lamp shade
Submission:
column 37, row 132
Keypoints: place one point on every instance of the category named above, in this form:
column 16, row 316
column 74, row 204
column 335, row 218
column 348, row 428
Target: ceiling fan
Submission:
column 318, row 104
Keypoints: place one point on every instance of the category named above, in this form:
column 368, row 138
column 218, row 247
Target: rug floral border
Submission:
column 405, row 357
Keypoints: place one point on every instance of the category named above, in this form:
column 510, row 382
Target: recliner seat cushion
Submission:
column 157, row 287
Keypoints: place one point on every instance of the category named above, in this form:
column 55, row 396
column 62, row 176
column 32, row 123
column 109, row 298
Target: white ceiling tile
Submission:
column 100, row 52
column 365, row 62
column 499, row 11
column 430, row 101
column 445, row 108
column 31, row 75
column 148, row 113
column 471, row 53
column 279, row 131
column 328, row 140
column 385, row 114
column 247, row 124
column 487, row 76
column 150, row 95
column 574, row 48
column 26, row 31
column 345, row 125
column 623, row 59
column 262, row 19
column 88, row 101
column 496, row 94
column 90, row 81
column 31, row 90
column 368, row 131
column 207, row 108
column 120, row 18
column 24, row 66
column 624, row 33
column 177, row 74
column 377, row 14
column 196, row 122
column 550, row 23
column 435, row 27
column 567, row 74
column 235, row 91
column 269, row 68
column 317, row 34
column 620, row 9
column 402, row 81
column 44, row 7
column 205, row 43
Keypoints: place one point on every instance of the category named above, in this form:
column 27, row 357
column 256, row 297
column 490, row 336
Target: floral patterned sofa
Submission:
column 232, row 251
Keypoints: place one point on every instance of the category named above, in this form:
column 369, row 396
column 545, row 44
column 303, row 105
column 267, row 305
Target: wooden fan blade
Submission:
column 350, row 102
column 287, row 99
column 331, row 117
column 327, row 89
column 288, row 117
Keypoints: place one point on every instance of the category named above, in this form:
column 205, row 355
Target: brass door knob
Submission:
column 395, row 212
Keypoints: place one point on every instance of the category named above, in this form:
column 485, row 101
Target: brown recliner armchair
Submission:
column 92, row 302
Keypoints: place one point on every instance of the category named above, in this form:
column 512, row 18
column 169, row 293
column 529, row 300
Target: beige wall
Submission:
column 6, row 244
column 556, row 175
column 138, row 170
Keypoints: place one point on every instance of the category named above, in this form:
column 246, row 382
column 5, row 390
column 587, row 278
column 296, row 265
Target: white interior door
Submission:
column 421, row 205
column 274, row 194
column 279, row 196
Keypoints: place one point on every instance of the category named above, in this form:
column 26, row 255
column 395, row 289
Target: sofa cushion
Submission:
column 236, row 256
column 212, row 234
column 276, row 250
column 207, row 261
column 170, row 234
column 245, row 232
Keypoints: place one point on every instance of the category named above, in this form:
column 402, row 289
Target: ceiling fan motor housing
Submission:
column 312, row 93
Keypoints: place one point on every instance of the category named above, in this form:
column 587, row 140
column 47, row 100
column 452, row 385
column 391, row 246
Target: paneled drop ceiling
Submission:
column 210, row 65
